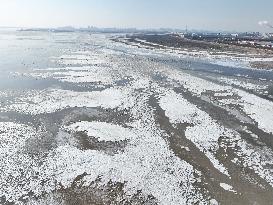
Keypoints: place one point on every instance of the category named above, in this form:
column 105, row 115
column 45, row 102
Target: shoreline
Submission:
column 257, row 58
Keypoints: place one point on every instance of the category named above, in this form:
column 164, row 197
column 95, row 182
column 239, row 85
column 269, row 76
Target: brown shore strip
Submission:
column 214, row 48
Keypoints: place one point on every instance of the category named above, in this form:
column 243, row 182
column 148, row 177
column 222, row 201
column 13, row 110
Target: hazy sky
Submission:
column 241, row 15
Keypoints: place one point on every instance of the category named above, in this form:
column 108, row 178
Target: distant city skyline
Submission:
column 214, row 15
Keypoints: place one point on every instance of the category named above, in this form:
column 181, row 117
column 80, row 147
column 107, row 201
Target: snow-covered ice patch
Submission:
column 52, row 100
column 84, row 74
column 194, row 84
column 258, row 109
column 259, row 159
column 102, row 131
column 81, row 59
column 223, row 94
column 243, row 84
column 227, row 187
column 145, row 164
column 13, row 136
column 13, row 163
column 205, row 131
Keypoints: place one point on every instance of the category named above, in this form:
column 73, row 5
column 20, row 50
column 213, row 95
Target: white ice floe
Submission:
column 243, row 84
column 259, row 159
column 204, row 132
column 13, row 136
column 140, row 167
column 3, row 94
column 223, row 94
column 213, row 202
column 13, row 181
column 21, row 172
column 102, row 131
column 195, row 85
column 52, row 100
column 81, row 59
column 227, row 187
column 85, row 74
column 258, row 109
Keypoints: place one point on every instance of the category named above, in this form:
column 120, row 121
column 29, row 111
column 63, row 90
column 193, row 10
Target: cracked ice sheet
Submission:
column 52, row 100
column 205, row 131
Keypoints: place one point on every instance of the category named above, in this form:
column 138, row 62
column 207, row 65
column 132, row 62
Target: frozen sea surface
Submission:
column 88, row 120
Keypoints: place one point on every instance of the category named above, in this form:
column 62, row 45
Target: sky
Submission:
column 231, row 15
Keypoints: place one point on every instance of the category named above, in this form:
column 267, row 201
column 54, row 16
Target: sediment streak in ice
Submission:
column 204, row 132
column 255, row 107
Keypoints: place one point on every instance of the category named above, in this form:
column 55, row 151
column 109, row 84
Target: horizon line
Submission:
column 126, row 28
